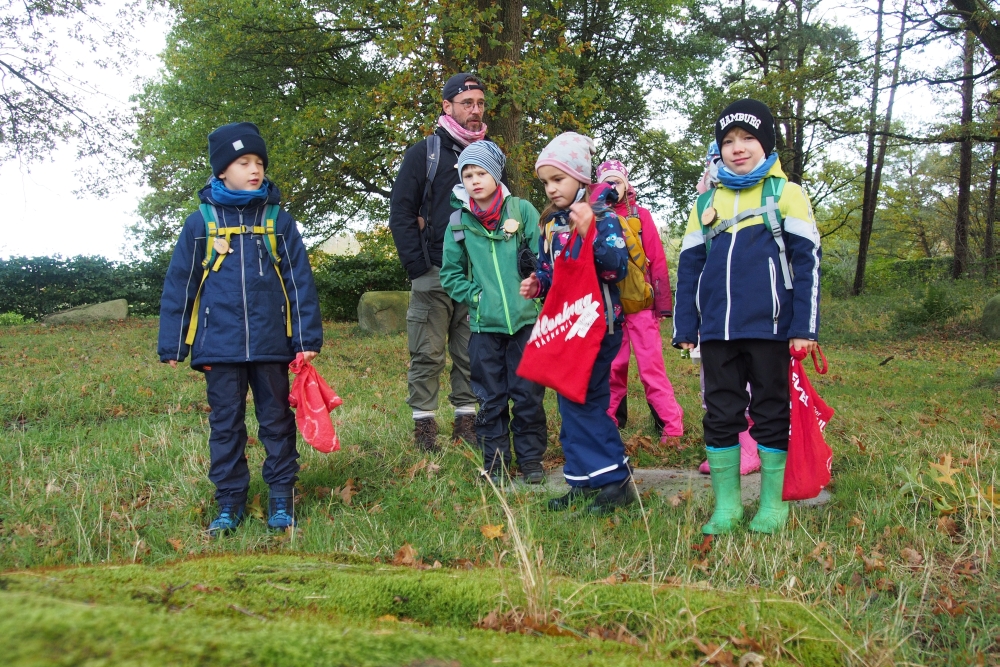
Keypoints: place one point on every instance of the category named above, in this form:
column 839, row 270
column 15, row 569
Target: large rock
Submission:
column 97, row 312
column 991, row 318
column 383, row 312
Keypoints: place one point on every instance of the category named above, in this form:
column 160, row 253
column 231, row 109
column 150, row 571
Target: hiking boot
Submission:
column 612, row 496
column 281, row 513
column 577, row 494
column 532, row 472
column 425, row 433
column 464, row 428
column 725, row 471
column 773, row 512
column 230, row 516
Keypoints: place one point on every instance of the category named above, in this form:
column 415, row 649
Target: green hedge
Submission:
column 36, row 286
column 341, row 281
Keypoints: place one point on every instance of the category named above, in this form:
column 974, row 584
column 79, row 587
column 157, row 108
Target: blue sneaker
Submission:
column 230, row 516
column 281, row 513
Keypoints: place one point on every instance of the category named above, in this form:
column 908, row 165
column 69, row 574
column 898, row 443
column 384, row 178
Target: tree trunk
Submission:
column 983, row 21
column 887, row 123
column 867, row 205
column 502, row 60
column 961, row 263
column 989, row 250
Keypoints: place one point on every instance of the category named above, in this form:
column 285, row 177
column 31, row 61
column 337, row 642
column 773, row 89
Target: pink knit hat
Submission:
column 612, row 168
column 571, row 153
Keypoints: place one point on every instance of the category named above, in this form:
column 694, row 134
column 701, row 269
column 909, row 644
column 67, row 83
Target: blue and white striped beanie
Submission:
column 485, row 154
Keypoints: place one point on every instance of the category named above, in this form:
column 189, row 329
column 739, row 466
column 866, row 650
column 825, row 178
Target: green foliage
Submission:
column 340, row 90
column 341, row 280
column 36, row 286
column 939, row 304
column 11, row 319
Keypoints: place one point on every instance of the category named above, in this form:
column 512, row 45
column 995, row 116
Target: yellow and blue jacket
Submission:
column 736, row 289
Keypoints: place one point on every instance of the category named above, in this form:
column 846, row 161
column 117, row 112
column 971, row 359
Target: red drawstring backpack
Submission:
column 313, row 399
column 807, row 469
column 567, row 335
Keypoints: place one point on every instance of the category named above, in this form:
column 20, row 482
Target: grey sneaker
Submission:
column 532, row 472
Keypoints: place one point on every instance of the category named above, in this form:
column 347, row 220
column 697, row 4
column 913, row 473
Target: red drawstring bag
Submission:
column 313, row 400
column 567, row 335
column 807, row 469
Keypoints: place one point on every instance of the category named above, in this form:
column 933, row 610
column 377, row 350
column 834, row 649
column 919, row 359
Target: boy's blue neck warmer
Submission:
column 223, row 195
column 737, row 182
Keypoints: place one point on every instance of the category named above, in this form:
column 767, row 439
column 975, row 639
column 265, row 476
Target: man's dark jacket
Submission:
column 405, row 204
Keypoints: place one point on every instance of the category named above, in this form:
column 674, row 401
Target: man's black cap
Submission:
column 457, row 85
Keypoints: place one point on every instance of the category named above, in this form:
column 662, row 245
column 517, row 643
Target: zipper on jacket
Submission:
column 243, row 281
column 775, row 304
column 503, row 294
column 260, row 259
column 729, row 264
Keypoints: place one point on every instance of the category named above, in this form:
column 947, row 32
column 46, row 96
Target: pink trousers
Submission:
column 641, row 333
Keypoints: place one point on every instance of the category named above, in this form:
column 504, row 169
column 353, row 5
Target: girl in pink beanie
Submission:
column 596, row 468
column 641, row 331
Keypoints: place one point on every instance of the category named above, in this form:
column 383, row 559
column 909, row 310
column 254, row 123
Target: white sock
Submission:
column 423, row 414
column 465, row 410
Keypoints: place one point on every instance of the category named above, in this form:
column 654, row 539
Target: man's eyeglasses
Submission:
column 468, row 105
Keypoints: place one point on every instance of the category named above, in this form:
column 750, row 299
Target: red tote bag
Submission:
column 313, row 399
column 567, row 335
column 807, row 469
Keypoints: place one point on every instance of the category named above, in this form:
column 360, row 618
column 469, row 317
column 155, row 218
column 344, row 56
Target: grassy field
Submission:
column 103, row 459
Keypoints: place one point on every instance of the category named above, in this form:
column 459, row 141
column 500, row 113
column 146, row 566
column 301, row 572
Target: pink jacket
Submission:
column 658, row 275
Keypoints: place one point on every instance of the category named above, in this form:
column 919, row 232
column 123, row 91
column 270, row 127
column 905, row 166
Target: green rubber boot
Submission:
column 725, row 467
column 773, row 512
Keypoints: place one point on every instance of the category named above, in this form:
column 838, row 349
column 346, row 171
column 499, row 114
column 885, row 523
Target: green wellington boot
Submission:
column 725, row 466
column 773, row 512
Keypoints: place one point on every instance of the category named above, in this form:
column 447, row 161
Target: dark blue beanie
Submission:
column 233, row 140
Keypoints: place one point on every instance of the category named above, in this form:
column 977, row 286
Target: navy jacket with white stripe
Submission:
column 242, row 306
column 736, row 289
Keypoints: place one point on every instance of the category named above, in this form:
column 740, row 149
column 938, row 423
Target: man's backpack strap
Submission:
column 433, row 159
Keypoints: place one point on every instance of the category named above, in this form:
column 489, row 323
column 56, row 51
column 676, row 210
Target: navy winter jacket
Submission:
column 242, row 307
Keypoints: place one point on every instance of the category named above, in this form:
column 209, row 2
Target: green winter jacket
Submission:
column 491, row 288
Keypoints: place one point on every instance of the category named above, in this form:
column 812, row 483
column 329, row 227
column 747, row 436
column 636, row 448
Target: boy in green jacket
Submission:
column 488, row 235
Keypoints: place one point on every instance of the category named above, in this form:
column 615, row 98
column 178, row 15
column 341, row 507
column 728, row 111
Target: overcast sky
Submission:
column 44, row 217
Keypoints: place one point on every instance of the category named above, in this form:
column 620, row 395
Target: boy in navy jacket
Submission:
column 748, row 289
column 257, row 308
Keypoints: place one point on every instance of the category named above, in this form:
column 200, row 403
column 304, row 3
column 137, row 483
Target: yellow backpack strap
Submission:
column 633, row 244
column 211, row 232
column 271, row 242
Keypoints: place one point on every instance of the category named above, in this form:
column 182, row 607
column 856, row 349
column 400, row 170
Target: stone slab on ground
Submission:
column 95, row 312
column 383, row 312
column 668, row 482
column 991, row 318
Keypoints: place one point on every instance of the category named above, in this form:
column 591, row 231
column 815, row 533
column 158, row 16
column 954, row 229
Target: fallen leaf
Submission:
column 714, row 655
column 347, row 492
column 947, row 525
column 966, row 568
column 885, row 585
column 432, row 469
column 705, row 546
column 254, row 509
column 417, row 467
column 492, row 532
column 387, row 618
column 406, row 555
column 947, row 473
column 855, row 522
column 857, row 443
column 949, row 606
column 751, row 659
column 678, row 498
column 176, row 543
column 912, row 557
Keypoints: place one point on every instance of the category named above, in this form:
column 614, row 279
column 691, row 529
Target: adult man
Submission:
column 418, row 218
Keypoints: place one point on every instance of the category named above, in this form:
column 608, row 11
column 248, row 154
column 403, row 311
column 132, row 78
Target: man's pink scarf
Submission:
column 459, row 133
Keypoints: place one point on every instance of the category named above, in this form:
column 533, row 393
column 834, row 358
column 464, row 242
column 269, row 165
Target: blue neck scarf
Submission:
column 223, row 195
column 737, row 182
